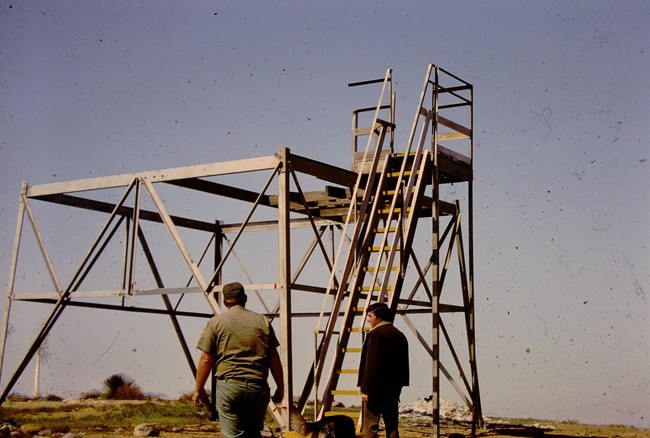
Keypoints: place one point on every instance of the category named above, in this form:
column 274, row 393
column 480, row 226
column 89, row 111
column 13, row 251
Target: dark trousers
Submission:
column 386, row 406
column 242, row 406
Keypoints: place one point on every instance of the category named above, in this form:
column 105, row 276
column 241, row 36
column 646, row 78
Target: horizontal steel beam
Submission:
column 155, row 176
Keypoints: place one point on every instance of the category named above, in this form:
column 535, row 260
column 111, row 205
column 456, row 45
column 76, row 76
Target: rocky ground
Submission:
column 415, row 421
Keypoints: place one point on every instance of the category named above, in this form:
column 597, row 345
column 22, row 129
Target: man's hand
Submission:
column 199, row 397
column 278, row 395
column 275, row 366
column 204, row 369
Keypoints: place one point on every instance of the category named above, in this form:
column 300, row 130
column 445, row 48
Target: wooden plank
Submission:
column 221, row 190
column 451, row 136
column 325, row 172
column 358, row 164
column 163, row 175
column 106, row 207
column 455, row 126
column 120, row 308
column 345, row 392
column 363, row 131
column 272, row 225
column 453, row 171
column 454, row 89
column 452, row 155
column 30, row 296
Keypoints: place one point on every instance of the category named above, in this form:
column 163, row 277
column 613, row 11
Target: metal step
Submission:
column 345, row 392
column 381, row 268
column 378, row 249
column 354, row 415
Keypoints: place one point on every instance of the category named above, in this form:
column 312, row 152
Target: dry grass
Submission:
column 181, row 419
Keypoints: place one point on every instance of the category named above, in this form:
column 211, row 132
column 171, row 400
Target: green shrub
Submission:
column 121, row 387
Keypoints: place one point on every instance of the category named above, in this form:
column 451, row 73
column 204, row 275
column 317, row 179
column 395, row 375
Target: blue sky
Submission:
column 562, row 208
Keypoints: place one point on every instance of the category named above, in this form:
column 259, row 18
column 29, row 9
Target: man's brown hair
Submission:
column 382, row 311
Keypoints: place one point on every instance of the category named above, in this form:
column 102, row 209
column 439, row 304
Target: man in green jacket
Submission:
column 244, row 347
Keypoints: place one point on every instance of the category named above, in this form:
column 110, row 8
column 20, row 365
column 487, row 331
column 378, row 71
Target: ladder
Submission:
column 389, row 197
column 379, row 260
column 360, row 203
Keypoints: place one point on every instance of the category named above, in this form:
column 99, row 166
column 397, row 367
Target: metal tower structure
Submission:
column 382, row 231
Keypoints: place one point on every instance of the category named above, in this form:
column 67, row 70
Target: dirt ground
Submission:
column 31, row 419
column 412, row 432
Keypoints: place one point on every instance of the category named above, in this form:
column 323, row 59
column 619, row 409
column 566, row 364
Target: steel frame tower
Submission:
column 364, row 230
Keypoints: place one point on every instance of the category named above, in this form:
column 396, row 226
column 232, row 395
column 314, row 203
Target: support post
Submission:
column 218, row 253
column 435, row 257
column 37, row 374
column 477, row 419
column 11, row 278
column 284, row 280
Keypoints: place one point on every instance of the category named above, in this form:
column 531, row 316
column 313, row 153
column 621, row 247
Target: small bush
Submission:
column 120, row 387
column 50, row 397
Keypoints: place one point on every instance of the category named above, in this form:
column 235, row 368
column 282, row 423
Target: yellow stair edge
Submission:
column 356, row 330
column 353, row 415
column 376, row 288
column 378, row 248
column 345, row 392
column 381, row 268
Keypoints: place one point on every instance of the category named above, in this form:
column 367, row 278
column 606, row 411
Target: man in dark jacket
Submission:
column 383, row 371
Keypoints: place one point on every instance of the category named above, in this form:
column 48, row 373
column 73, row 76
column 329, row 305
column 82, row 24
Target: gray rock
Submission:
column 146, row 429
column 93, row 393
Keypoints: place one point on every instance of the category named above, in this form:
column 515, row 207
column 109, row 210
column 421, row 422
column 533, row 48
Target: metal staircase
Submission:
column 378, row 261
column 383, row 214
column 385, row 206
